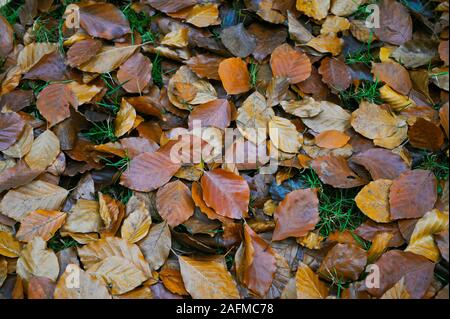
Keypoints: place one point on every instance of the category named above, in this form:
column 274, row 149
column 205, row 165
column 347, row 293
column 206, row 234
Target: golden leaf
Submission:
column 397, row 101
column 88, row 288
column 422, row 241
column 83, row 92
column 125, row 119
column 96, row 251
column 108, row 59
column 42, row 223
column 112, row 212
column 328, row 43
column 176, row 38
column 379, row 245
column 17, row 203
column 345, row 7
column 84, row 217
column 316, row 9
column 38, row 261
column 373, row 200
column 3, row 270
column 311, row 240
column 137, row 224
column 208, row 278
column 284, row 135
column 44, row 151
column 204, row 15
column 308, row 284
column 334, row 24
column 307, row 107
column 118, row 273
column 9, row 246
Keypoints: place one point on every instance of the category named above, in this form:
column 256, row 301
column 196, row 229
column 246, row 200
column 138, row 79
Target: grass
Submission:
column 101, row 133
column 11, row 11
column 362, row 13
column 118, row 192
column 363, row 55
column 140, row 22
column 253, row 70
column 438, row 164
column 43, row 33
column 366, row 91
column 157, row 71
column 337, row 208
column 58, row 243
column 121, row 165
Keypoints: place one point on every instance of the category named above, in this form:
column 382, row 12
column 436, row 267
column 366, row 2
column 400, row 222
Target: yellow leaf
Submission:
column 83, row 92
column 379, row 245
column 125, row 119
column 118, row 273
column 84, row 217
column 204, row 15
column 208, row 278
column 311, row 241
column 373, row 200
column 42, row 223
column 284, row 135
column 397, row 101
column 108, row 59
column 422, row 241
column 3, row 270
column 308, row 284
column 44, row 151
column 9, row 246
column 17, row 203
column 176, row 38
column 88, row 288
column 334, row 24
column 385, row 53
column 316, row 9
column 328, row 43
column 137, row 224
column 372, row 121
column 37, row 261
column 112, row 212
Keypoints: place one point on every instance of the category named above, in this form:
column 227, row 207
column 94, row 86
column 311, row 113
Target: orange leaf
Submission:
column 234, row 76
column 289, row 63
column 42, row 223
column 174, row 203
column 54, row 101
column 331, row 139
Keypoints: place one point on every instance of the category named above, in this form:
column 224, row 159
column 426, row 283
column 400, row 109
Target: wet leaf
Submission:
column 344, row 262
column 426, row 135
column 394, row 75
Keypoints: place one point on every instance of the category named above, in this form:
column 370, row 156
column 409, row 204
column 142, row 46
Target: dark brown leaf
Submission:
column 82, row 51
column 11, row 127
column 267, row 39
column 344, row 261
column 426, row 135
column 238, row 41
column 336, row 74
column 336, row 172
column 54, row 102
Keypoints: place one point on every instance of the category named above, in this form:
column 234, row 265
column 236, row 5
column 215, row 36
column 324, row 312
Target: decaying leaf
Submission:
column 42, row 223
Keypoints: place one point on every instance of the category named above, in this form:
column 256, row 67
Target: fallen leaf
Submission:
column 137, row 223
column 344, row 8
column 307, row 107
column 238, row 41
column 40, row 288
column 267, row 39
column 205, row 66
column 336, row 74
column 33, row 53
column 135, row 73
column 395, row 23
column 17, row 203
column 225, row 192
column 394, row 75
column 156, row 245
column 43, row 152
column 289, row 63
column 398, row 291
column 11, row 127
column 424, row 134
column 308, row 284
column 208, row 278
column 108, row 59
column 332, row 117
column 297, row 214
column 373, row 200
column 36, row 260
column 284, row 135
column 40, row 223
column 111, row 212
column 216, row 113
column 84, row 217
column 316, row 9
column 9, row 246
column 331, row 139
column 343, row 262
column 234, row 76
column 380, row 244
column 336, row 172
column 412, row 194
column 7, row 42
column 82, row 51
column 328, row 43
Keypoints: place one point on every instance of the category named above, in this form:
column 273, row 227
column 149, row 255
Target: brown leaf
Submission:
column 42, row 223
column 267, row 39
column 137, row 223
column 170, row 6
column 216, row 113
column 11, row 127
column 336, row 172
column 373, row 200
column 343, row 261
column 103, row 20
column 82, row 51
column 156, row 245
column 238, row 41
column 124, row 121
column 174, row 203
column 297, row 214
column 444, row 117
column 259, row 263
column 287, row 62
column 208, row 278
column 443, row 51
column 395, row 23
column 40, row 288
column 381, row 163
column 442, row 243
column 413, row 194
column 234, row 76
column 424, row 134
column 44, row 151
column 17, row 175
column 395, row 264
column 54, row 102
column 394, row 75
column 227, row 193
column 336, row 74
column 331, row 139
column 331, row 117
column 84, row 217
column 369, row 230
column 135, row 73
column 7, row 40
column 33, row 53
column 108, row 59
column 205, row 66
